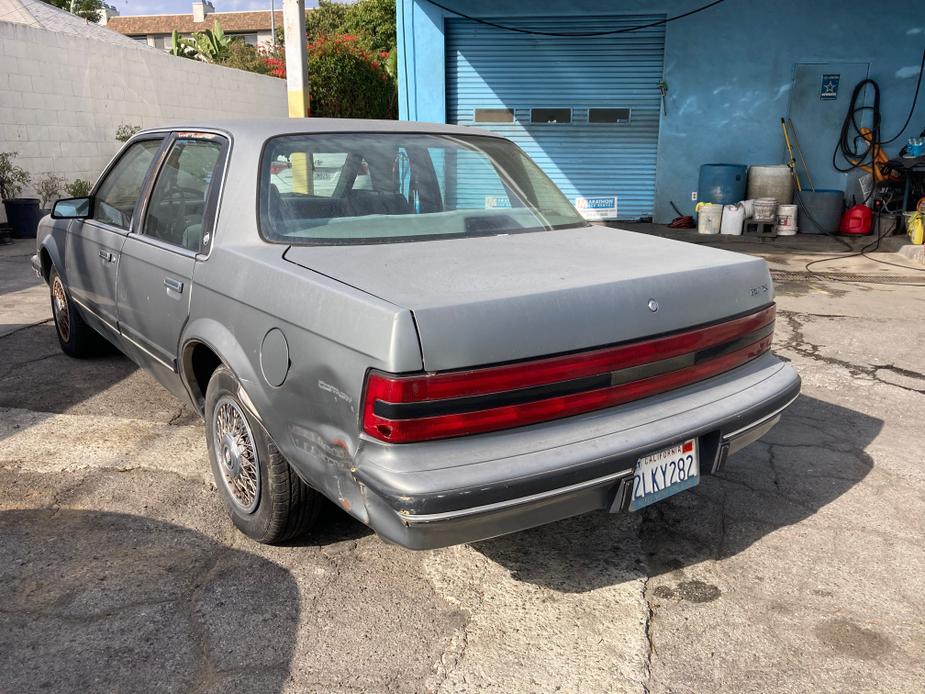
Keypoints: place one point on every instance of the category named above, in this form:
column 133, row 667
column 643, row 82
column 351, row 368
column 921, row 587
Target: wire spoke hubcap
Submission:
column 59, row 305
column 236, row 455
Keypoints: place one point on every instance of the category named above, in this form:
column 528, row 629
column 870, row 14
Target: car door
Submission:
column 91, row 258
column 158, row 259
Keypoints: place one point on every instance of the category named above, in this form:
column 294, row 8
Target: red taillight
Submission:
column 401, row 409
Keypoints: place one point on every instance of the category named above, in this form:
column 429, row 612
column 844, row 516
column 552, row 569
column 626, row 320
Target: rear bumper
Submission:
column 450, row 503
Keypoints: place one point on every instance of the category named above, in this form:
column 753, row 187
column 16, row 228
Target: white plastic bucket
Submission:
column 733, row 218
column 709, row 219
column 765, row 210
column 787, row 220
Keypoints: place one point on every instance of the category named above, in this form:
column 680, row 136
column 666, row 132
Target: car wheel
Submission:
column 265, row 498
column 77, row 339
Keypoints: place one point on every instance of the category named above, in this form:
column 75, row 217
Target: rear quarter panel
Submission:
column 334, row 335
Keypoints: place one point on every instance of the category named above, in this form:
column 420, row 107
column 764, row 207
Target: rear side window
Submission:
column 118, row 194
column 178, row 205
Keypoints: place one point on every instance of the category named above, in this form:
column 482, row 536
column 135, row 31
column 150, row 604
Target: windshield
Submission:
column 381, row 187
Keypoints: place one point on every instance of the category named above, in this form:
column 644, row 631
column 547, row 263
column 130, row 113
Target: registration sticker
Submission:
column 663, row 473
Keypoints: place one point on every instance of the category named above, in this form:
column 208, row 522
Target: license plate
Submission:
column 663, row 473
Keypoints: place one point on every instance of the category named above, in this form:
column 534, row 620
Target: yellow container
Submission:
column 915, row 227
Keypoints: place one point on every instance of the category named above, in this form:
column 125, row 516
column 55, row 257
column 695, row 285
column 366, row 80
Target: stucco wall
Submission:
column 729, row 71
column 62, row 97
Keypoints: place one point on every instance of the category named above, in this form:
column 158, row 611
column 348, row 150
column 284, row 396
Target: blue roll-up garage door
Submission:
column 586, row 109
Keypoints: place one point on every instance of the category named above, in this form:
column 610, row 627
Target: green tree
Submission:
column 328, row 19
column 88, row 9
column 345, row 79
column 373, row 23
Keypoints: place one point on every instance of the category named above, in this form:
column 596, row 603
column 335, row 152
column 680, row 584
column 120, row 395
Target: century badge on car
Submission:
column 411, row 320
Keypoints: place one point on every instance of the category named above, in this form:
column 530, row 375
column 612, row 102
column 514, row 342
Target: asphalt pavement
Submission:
column 801, row 568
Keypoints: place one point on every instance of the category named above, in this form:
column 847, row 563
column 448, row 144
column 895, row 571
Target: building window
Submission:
column 249, row 39
column 551, row 115
column 494, row 115
column 609, row 115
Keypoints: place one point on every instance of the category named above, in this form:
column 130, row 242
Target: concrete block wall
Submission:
column 62, row 97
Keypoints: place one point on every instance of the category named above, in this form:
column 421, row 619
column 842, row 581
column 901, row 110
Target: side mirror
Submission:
column 71, row 208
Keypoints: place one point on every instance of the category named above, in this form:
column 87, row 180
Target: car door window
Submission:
column 115, row 200
column 177, row 208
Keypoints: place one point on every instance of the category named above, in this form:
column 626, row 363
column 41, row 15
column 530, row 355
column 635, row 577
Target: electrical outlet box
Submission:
column 694, row 195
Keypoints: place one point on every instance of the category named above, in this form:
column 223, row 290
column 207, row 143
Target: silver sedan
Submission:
column 411, row 320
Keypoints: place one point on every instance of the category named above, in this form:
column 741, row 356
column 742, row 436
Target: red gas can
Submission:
column 856, row 220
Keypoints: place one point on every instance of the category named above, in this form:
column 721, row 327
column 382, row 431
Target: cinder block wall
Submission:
column 62, row 97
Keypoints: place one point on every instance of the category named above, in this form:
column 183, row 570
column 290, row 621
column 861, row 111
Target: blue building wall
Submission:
column 729, row 71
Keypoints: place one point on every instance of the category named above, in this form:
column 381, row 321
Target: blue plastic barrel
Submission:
column 722, row 184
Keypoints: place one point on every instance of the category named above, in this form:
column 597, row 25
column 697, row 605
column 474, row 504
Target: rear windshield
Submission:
column 383, row 187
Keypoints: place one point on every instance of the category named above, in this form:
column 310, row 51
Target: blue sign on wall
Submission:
column 829, row 89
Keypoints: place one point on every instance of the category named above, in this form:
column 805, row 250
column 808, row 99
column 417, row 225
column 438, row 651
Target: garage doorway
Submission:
column 586, row 109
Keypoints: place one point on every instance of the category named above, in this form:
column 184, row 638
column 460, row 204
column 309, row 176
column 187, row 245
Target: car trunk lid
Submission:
column 495, row 299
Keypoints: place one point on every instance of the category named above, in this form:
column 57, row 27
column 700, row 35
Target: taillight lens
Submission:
column 402, row 409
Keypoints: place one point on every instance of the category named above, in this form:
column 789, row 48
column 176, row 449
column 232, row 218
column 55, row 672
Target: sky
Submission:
column 128, row 7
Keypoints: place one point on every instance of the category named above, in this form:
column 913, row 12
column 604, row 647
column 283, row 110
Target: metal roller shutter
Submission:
column 489, row 68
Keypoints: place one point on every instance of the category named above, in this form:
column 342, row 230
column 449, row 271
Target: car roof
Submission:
column 263, row 128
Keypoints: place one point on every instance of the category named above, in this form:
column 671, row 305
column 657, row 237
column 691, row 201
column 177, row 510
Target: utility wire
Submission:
column 579, row 34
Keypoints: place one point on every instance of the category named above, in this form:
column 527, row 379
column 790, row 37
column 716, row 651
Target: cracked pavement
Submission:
column 801, row 568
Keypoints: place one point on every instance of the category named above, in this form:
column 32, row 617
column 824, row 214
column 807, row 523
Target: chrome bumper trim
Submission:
column 422, row 519
column 410, row 519
column 745, row 429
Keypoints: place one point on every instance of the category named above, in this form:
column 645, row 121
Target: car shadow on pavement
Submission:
column 333, row 525
column 95, row 601
column 36, row 375
column 812, row 457
column 37, row 378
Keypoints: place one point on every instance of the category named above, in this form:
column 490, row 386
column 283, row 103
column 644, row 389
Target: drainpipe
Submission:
column 296, row 57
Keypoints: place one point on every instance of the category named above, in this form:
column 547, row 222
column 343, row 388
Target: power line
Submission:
column 586, row 34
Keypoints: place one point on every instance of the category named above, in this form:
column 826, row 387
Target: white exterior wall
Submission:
column 63, row 96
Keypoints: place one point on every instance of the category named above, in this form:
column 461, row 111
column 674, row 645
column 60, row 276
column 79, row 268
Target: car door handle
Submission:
column 175, row 285
column 107, row 257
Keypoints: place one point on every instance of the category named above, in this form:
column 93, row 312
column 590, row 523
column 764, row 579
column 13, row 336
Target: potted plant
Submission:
column 49, row 189
column 21, row 213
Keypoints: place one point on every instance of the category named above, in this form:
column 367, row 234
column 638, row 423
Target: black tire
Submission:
column 269, row 504
column 77, row 339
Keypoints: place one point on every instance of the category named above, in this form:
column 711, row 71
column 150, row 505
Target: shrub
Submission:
column 243, row 56
column 12, row 178
column 125, row 131
column 78, row 188
column 49, row 188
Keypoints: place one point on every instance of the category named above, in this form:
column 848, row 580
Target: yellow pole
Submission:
column 296, row 57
